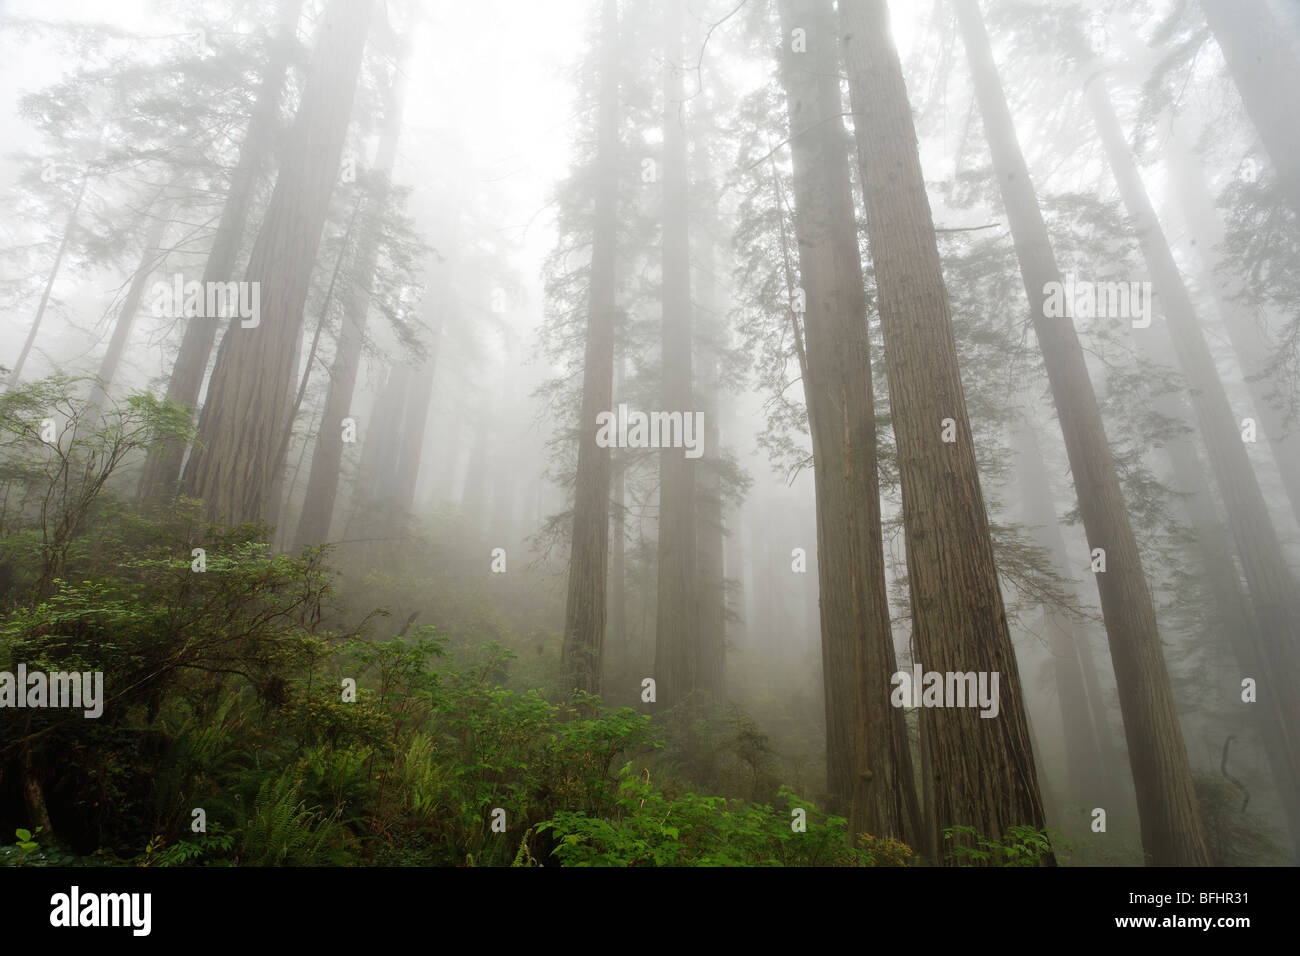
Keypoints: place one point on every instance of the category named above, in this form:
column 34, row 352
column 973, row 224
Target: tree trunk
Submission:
column 415, row 422
column 276, row 498
column 869, row 766
column 1169, row 817
column 38, row 815
column 1269, row 579
column 239, row 431
column 711, row 647
column 16, row 372
column 618, row 560
column 376, row 481
column 130, row 306
column 473, row 503
column 1265, row 72
column 584, row 612
column 327, row 456
column 163, row 465
column 984, row 775
column 1205, row 224
column 1088, row 782
column 677, row 633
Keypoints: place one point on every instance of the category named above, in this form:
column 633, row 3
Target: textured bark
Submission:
column 1169, row 817
column 277, row 497
column 239, row 429
column 983, row 768
column 584, row 612
column 677, row 626
column 869, row 767
column 163, row 465
column 1266, row 73
column 1269, row 580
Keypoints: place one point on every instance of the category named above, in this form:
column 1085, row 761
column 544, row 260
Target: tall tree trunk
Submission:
column 711, row 647
column 276, row 497
column 376, row 480
column 1269, row 580
column 1205, row 228
column 473, row 504
column 290, row 484
column 1234, row 614
column 1266, row 73
column 415, row 421
column 584, row 612
column 869, row 766
column 958, row 620
column 16, row 372
column 618, row 536
column 152, row 255
column 1088, row 781
column 677, row 624
column 710, row 336
column 735, row 548
column 327, row 455
column 162, row 468
column 239, row 431
column 1205, row 224
column 1169, row 817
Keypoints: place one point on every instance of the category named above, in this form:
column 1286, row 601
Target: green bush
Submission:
column 647, row 828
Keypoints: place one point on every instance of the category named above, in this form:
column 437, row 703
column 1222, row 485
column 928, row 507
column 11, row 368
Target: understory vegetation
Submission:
column 257, row 712
column 231, row 735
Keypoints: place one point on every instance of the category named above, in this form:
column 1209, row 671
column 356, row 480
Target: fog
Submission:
column 879, row 417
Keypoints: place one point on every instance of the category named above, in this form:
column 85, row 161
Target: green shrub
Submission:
column 647, row 828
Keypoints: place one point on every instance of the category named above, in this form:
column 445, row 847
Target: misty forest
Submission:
column 650, row 433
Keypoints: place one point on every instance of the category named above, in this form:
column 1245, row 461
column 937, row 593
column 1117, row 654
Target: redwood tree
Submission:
column 677, row 611
column 327, row 455
column 231, row 470
column 163, row 464
column 584, row 613
column 1162, row 777
column 983, row 768
column 869, row 767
